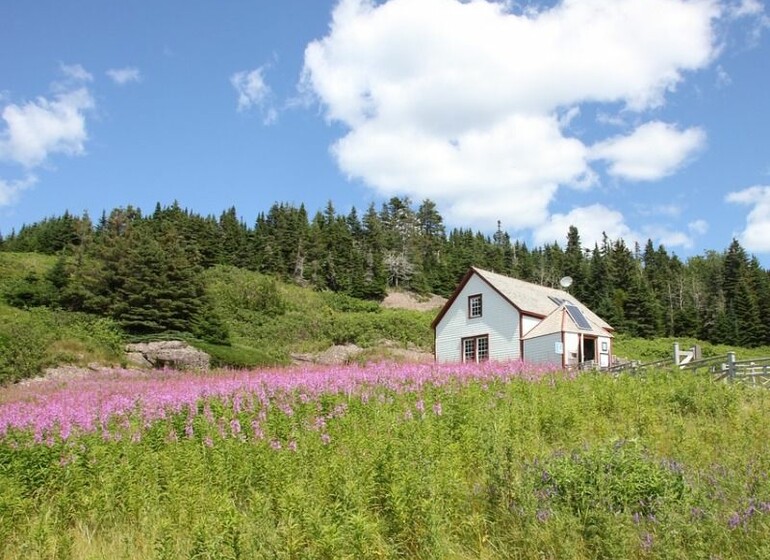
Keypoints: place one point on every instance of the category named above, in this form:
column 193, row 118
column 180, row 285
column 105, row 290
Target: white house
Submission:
column 495, row 317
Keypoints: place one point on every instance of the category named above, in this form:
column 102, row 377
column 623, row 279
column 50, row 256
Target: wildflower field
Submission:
column 384, row 461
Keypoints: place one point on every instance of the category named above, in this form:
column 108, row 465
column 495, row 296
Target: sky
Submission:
column 641, row 119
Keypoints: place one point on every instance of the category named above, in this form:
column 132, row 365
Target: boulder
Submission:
column 168, row 353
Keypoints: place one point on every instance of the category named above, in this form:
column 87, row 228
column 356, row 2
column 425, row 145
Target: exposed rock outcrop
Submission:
column 169, row 353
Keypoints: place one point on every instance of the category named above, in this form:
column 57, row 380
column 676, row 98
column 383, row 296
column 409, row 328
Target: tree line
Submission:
column 145, row 270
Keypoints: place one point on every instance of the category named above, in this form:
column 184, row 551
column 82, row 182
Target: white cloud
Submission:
column 253, row 92
column 698, row 227
column 76, row 73
column 745, row 8
column 668, row 210
column 468, row 103
column 123, row 76
column 652, row 151
column 10, row 190
column 723, row 78
column 592, row 223
column 756, row 236
column 667, row 237
column 39, row 128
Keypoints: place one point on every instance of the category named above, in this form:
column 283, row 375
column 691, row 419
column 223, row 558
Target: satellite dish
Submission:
column 566, row 282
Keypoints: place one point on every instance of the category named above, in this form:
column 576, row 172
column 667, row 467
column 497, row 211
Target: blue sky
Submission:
column 638, row 118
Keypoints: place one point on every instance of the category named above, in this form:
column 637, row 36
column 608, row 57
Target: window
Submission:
column 476, row 349
column 474, row 306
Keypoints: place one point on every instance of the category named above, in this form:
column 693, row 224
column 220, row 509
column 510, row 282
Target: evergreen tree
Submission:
column 234, row 241
column 575, row 265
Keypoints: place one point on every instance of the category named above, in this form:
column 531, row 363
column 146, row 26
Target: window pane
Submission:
column 482, row 346
column 474, row 306
column 469, row 350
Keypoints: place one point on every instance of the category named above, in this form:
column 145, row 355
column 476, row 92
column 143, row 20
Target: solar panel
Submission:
column 557, row 300
column 578, row 317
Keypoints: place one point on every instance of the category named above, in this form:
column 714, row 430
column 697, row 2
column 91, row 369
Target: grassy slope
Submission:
column 270, row 319
column 34, row 339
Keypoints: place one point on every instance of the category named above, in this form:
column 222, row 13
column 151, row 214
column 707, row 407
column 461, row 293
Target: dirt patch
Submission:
column 408, row 300
column 386, row 350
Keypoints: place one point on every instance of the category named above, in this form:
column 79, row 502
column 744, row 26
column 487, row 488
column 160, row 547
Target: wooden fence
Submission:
column 755, row 372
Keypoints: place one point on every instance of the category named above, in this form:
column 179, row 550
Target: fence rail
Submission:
column 755, row 372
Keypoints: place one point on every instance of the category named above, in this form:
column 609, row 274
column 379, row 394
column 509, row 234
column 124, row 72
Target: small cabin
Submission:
column 494, row 317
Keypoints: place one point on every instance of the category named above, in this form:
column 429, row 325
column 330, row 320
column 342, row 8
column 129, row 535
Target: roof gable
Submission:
column 532, row 299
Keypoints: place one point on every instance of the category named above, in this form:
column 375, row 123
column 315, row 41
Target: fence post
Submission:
column 731, row 365
column 676, row 354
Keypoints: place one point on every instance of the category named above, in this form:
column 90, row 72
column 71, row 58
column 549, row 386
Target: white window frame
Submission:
column 475, row 306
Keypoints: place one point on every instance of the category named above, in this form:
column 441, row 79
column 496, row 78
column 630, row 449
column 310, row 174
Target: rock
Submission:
column 169, row 353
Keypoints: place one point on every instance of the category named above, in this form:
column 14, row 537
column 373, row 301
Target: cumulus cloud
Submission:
column 652, row 151
column 469, row 103
column 36, row 129
column 593, row 222
column 123, row 76
column 253, row 92
column 756, row 236
column 10, row 190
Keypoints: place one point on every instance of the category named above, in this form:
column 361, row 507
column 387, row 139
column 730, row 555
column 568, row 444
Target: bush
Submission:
column 620, row 477
column 35, row 339
column 242, row 357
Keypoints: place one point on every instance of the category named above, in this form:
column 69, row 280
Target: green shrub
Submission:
column 242, row 357
column 619, row 477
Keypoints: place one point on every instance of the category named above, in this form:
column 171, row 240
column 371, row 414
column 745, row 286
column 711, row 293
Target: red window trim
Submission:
column 475, row 340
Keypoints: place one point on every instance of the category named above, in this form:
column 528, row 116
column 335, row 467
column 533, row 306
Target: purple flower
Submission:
column 647, row 541
column 437, row 410
column 543, row 515
column 235, row 426
column 420, row 406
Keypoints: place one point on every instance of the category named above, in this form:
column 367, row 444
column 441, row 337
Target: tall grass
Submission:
column 386, row 462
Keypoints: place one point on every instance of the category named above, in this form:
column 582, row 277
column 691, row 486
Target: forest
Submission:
column 145, row 271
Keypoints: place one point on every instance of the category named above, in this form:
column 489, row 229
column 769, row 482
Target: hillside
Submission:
column 269, row 322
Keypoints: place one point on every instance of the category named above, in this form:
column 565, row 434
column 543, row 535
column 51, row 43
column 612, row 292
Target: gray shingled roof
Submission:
column 536, row 300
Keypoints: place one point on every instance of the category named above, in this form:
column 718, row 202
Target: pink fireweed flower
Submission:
column 235, row 426
column 256, row 429
column 325, row 439
column 275, row 444
column 104, row 402
column 420, row 406
column 437, row 410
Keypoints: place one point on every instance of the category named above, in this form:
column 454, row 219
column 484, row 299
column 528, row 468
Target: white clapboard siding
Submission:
column 499, row 320
column 542, row 349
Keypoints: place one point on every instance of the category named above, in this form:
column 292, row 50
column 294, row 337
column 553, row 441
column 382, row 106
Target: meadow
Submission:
column 384, row 461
